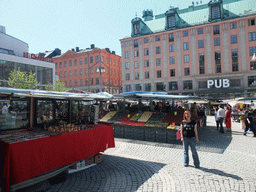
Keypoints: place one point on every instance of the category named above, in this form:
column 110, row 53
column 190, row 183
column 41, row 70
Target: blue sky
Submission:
column 47, row 24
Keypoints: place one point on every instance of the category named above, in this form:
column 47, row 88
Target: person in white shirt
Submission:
column 221, row 114
column 5, row 109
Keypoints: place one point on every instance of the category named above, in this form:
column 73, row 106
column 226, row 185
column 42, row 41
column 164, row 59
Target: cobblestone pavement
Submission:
column 228, row 163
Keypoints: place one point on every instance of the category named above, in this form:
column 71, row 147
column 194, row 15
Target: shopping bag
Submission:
column 178, row 135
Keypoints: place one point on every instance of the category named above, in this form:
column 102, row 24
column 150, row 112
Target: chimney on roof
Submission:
column 92, row 46
column 108, row 50
column 77, row 49
column 72, row 49
column 2, row 29
column 113, row 52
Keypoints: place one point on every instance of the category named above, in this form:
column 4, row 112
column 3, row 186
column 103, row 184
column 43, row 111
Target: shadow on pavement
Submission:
column 211, row 140
column 220, row 173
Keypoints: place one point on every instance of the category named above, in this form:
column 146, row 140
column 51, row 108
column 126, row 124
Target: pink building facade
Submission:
column 177, row 54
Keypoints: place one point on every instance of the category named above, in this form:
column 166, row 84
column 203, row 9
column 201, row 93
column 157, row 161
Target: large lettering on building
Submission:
column 218, row 83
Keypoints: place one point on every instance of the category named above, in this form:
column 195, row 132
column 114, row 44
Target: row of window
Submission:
column 97, row 82
column 234, row 57
column 91, row 72
column 70, row 63
column 233, row 40
column 216, row 31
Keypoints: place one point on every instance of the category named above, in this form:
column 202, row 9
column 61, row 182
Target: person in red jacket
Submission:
column 228, row 118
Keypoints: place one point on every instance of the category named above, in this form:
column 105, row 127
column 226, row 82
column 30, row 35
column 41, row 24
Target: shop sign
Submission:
column 34, row 56
column 218, row 83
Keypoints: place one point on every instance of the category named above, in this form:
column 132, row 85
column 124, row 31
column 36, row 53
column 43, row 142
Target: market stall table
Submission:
column 24, row 160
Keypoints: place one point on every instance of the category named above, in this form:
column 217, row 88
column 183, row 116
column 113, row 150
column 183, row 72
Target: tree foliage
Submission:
column 22, row 80
column 58, row 86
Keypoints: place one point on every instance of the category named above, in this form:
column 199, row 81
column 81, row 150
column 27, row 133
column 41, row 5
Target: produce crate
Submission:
column 138, row 133
column 161, row 135
column 78, row 164
column 98, row 158
column 150, row 134
column 118, row 131
column 89, row 160
column 128, row 132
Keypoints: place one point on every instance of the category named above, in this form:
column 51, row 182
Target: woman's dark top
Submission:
column 189, row 129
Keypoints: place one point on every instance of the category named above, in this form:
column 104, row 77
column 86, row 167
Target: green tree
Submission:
column 58, row 86
column 22, row 80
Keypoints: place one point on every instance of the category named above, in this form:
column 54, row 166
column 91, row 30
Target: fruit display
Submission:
column 136, row 117
column 108, row 116
column 145, row 117
column 159, row 124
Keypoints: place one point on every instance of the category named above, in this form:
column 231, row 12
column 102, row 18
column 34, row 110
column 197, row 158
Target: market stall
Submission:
column 56, row 133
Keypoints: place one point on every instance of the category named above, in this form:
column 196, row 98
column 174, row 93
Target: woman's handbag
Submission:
column 178, row 135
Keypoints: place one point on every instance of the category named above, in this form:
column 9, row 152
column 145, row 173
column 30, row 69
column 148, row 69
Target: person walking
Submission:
column 221, row 116
column 249, row 123
column 216, row 117
column 228, row 119
column 189, row 137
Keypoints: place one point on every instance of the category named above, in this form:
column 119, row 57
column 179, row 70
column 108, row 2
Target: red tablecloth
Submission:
column 27, row 159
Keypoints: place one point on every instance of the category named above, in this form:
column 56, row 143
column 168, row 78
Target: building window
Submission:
column 172, row 60
column 65, row 73
column 147, row 75
column 70, row 63
column 110, row 61
column 91, row 81
column 137, row 87
column 158, row 50
column 201, row 63
column 86, row 71
column 251, row 22
column 65, row 63
column 171, row 48
column 136, row 43
column 171, row 37
column 75, row 72
column 200, row 43
column 185, row 33
column 146, row 51
column 91, row 59
column 127, row 76
column 158, row 61
column 137, row 76
column 233, row 25
column 146, row 40
column 136, row 28
column 217, row 41
column 172, row 72
column 86, row 82
column 200, row 31
column 218, row 62
column 136, row 53
column 157, row 38
column 128, row 88
column 252, row 51
column 186, row 71
column 186, row 46
column 81, row 82
column 233, row 39
column 70, row 83
column 252, row 36
column 187, row 85
column 60, row 74
column 127, row 54
column 186, row 58
column 70, row 73
column 56, row 65
column 126, row 43
column 159, row 74
column 81, row 61
column 96, row 59
column 75, row 82
column 216, row 29
column 251, row 80
column 97, row 81
column 81, row 71
column 173, row 85
column 136, row 64
column 86, row 60
column 234, row 53
column 91, row 70
column 216, row 12
column 171, row 21
column 75, row 62
column 66, row 84
column 160, row 87
column 60, row 65
column 147, row 87
column 253, row 65
column 146, row 63
column 127, row 65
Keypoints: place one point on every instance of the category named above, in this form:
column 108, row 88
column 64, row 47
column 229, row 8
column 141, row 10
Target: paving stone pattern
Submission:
column 228, row 163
